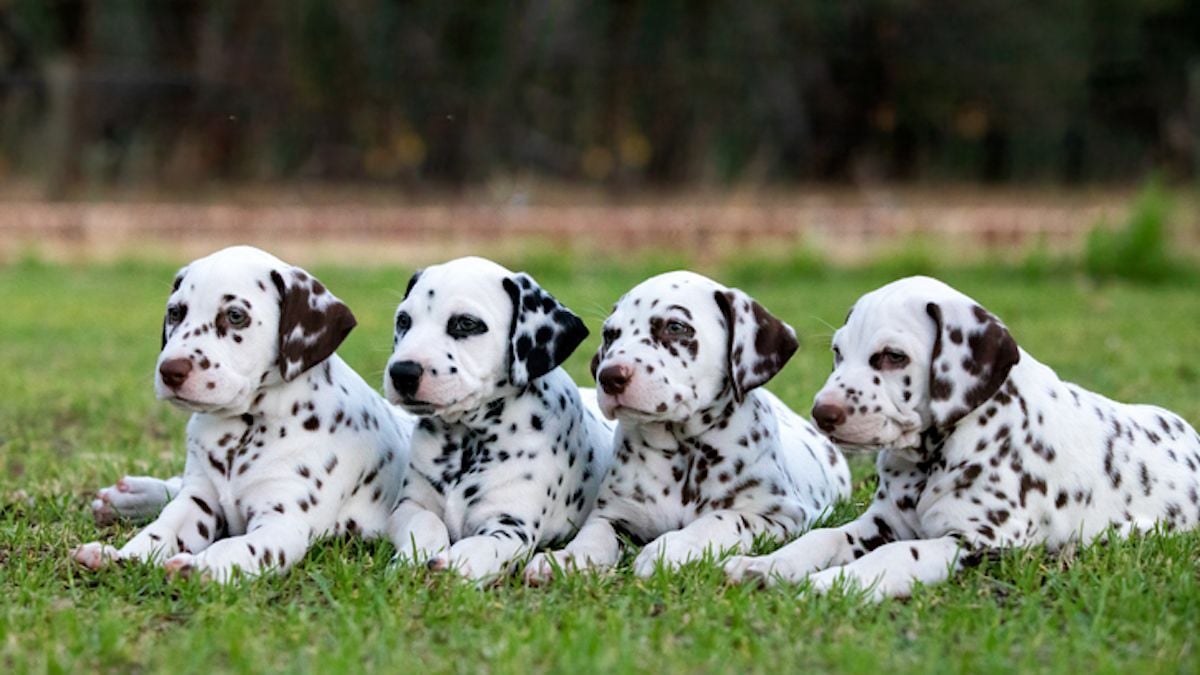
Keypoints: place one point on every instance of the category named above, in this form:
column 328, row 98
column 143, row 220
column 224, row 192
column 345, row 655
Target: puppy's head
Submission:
column 680, row 343
column 468, row 328
column 240, row 320
column 913, row 355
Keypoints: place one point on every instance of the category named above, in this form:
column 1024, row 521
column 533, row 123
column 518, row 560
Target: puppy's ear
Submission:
column 972, row 354
column 595, row 364
column 543, row 332
column 411, row 282
column 312, row 322
column 174, row 287
column 759, row 344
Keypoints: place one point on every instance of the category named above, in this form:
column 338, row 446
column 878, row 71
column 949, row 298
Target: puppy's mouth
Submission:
column 413, row 405
column 633, row 414
column 614, row 408
column 194, row 406
column 891, row 434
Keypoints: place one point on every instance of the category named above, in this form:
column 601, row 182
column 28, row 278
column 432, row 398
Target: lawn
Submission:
column 77, row 346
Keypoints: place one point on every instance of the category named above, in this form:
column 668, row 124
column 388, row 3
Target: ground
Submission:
column 77, row 346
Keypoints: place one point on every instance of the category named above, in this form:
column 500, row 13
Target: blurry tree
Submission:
column 624, row 93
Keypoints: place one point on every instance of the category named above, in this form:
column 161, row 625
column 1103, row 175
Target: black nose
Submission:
column 614, row 379
column 828, row 416
column 174, row 372
column 406, row 376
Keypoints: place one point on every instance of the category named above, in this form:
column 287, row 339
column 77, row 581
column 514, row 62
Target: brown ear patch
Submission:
column 970, row 359
column 993, row 352
column 759, row 344
column 312, row 322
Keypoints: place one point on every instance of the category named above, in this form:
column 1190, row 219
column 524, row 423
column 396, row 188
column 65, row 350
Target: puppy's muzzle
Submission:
column 614, row 379
column 174, row 372
column 406, row 377
column 828, row 416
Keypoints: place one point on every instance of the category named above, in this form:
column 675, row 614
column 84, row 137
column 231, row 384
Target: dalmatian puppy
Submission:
column 508, row 454
column 704, row 460
column 285, row 443
column 981, row 446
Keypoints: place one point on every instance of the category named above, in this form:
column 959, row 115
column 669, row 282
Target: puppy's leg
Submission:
column 595, row 547
column 891, row 570
column 814, row 551
column 417, row 533
column 713, row 532
column 274, row 541
column 190, row 522
column 497, row 540
column 134, row 498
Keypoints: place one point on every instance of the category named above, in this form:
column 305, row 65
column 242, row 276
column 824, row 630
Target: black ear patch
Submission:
column 312, row 322
column 543, row 332
column 165, row 323
column 759, row 343
column 411, row 282
column 971, row 357
column 595, row 364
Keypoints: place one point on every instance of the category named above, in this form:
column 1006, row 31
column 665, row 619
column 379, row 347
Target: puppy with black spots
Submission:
column 980, row 447
column 285, row 443
column 705, row 460
column 508, row 453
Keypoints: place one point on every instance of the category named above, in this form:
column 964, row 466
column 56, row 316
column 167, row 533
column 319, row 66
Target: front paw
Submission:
column 415, row 557
column 187, row 566
column 95, row 555
column 133, row 497
column 540, row 569
column 475, row 559
column 671, row 550
column 821, row 583
column 763, row 571
column 750, row 570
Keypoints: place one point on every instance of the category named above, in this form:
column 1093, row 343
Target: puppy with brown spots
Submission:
column 705, row 460
column 285, row 444
column 509, row 453
column 980, row 447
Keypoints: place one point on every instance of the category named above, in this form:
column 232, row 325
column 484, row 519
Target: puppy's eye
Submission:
column 464, row 325
column 403, row 322
column 611, row 335
column 238, row 318
column 674, row 328
column 889, row 359
column 175, row 313
column 837, row 356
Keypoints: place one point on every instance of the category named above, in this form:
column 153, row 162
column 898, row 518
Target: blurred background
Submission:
column 826, row 123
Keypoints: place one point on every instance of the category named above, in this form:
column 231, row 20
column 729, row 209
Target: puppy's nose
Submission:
column 174, row 372
column 406, row 376
column 828, row 416
column 614, row 379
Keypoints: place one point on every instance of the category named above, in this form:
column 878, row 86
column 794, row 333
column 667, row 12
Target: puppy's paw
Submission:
column 671, row 550
column 540, row 569
column 187, row 566
column 95, row 555
column 750, row 570
column 474, row 558
column 132, row 497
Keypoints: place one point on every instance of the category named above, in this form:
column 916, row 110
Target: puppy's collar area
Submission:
column 480, row 416
column 670, row 437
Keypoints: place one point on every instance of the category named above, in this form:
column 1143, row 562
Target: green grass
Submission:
column 77, row 346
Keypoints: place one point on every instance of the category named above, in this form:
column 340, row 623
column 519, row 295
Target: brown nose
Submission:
column 828, row 416
column 614, row 379
column 174, row 372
